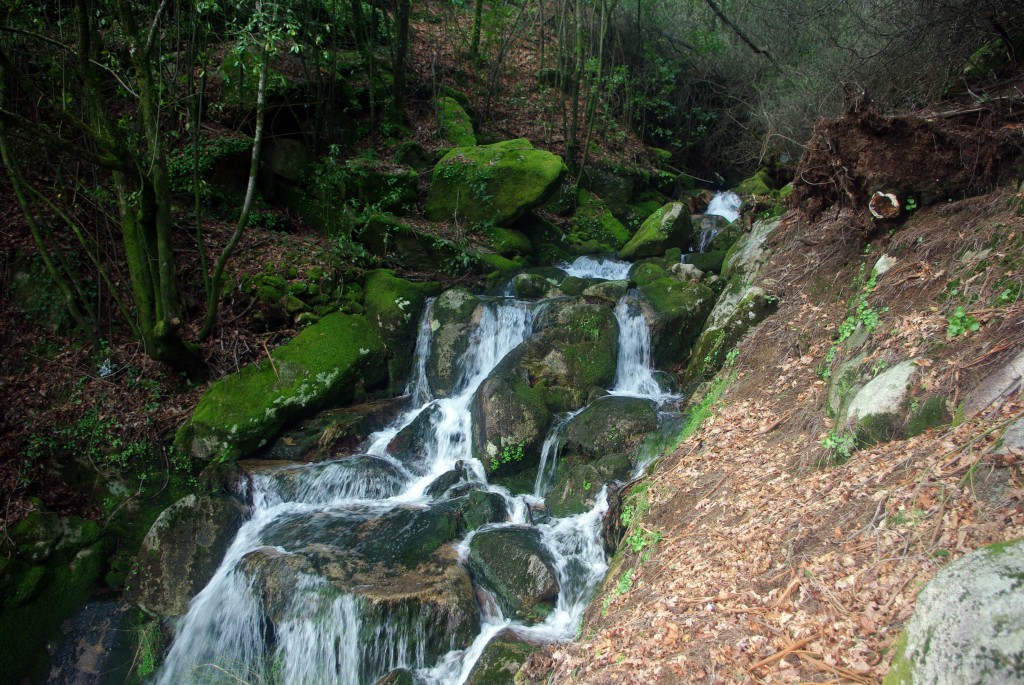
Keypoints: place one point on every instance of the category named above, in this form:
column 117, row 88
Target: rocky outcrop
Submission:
column 611, row 425
column 502, row 658
column 968, row 623
column 453, row 318
column 492, row 183
column 393, row 305
column 675, row 312
column 513, row 564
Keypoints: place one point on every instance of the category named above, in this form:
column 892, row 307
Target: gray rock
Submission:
column 748, row 253
column 997, row 386
column 876, row 412
column 453, row 318
column 181, row 551
column 512, row 563
column 968, row 623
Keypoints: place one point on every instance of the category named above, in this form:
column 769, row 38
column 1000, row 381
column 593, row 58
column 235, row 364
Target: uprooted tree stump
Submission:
column 951, row 155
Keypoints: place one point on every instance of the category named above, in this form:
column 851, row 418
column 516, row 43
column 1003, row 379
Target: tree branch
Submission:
column 739, row 32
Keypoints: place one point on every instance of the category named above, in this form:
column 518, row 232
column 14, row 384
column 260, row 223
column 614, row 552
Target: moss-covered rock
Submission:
column 507, row 242
column 331, row 361
column 492, row 183
column 453, row 318
column 400, row 244
column 574, row 490
column 643, row 274
column 454, row 124
column 758, row 184
column 510, row 421
column 593, row 227
column 606, row 291
column 615, row 186
column 550, row 244
column 675, row 313
column 930, row 413
column 667, row 227
column 331, row 432
column 501, row 660
column 515, row 566
column 393, row 305
column 968, row 623
column 748, row 253
column 738, row 309
column 877, row 412
column 181, row 551
column 611, row 425
column 385, row 187
column 708, row 262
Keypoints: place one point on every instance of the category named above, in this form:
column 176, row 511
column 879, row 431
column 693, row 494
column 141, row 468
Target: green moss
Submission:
column 785, row 191
column 669, row 296
column 456, row 126
column 508, row 242
column 666, row 228
column 901, row 670
column 758, row 184
column 647, row 273
column 393, row 306
column 329, row 361
column 26, row 629
column 492, row 183
column 708, row 262
column 500, row 661
column 593, row 221
column 931, row 413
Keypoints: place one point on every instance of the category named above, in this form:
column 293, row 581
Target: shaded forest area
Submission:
column 188, row 184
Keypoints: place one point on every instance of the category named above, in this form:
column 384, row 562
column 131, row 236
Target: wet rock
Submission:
column 510, row 421
column 574, row 490
column 611, row 425
column 411, row 445
column 594, row 228
column 393, row 305
column 530, row 286
column 447, row 480
column 399, row 676
column 968, row 623
column 360, row 475
column 181, row 551
column 607, row 291
column 512, row 563
column 454, row 316
column 675, row 313
column 96, row 648
column 501, row 660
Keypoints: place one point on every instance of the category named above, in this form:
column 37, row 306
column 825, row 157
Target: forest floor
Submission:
column 767, row 558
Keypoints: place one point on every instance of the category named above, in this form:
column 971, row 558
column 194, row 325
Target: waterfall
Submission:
column 604, row 268
column 306, row 631
column 633, row 373
column 726, row 204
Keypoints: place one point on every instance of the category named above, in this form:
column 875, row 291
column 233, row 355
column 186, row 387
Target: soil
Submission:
column 779, row 562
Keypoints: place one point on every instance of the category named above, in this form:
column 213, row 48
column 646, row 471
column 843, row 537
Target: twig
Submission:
column 788, row 650
column 272, row 364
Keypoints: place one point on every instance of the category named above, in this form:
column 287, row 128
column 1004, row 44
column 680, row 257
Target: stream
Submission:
column 239, row 630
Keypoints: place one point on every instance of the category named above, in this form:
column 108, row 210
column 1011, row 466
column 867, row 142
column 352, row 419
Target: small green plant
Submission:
column 509, row 453
column 587, row 485
column 863, row 315
column 640, row 539
column 911, row 204
column 625, row 583
column 960, row 323
column 840, row 446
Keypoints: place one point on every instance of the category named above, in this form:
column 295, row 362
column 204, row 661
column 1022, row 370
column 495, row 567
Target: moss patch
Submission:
column 593, row 227
column 668, row 227
column 393, row 306
column 455, row 125
column 331, row 361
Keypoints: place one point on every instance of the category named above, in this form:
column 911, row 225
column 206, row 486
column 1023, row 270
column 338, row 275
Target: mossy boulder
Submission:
column 181, row 551
column 411, row 444
column 739, row 308
column 507, row 242
column 968, row 623
column 501, row 660
column 528, row 286
column 550, row 244
column 288, row 159
column 514, row 565
column 593, row 227
column 453, row 318
column 708, row 262
column 331, row 432
column 611, row 425
column 574, row 490
column 759, row 184
column 398, row 243
column 606, row 291
column 454, row 124
column 615, row 187
column 647, row 273
column 331, row 361
column 389, row 188
column 667, row 227
column 393, row 305
column 492, row 183
column 675, row 313
column 510, row 421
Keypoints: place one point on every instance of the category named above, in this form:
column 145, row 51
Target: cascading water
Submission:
column 604, row 268
column 726, row 204
column 307, row 631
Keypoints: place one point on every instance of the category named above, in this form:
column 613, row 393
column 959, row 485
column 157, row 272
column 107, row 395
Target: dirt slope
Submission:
column 776, row 564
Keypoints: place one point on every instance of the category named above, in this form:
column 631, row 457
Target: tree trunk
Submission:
column 401, row 51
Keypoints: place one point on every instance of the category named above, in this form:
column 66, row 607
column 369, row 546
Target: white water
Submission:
column 322, row 635
column 726, row 204
column 633, row 373
column 597, row 267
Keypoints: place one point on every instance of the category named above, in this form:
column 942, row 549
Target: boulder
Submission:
column 331, row 361
column 685, row 272
column 667, row 227
column 528, row 286
column 453, row 318
column 454, row 124
column 393, row 305
column 607, row 291
column 739, row 308
column 331, row 432
column 501, row 660
column 510, row 421
column 995, row 387
column 412, row 444
column 399, row 676
column 574, row 490
column 361, row 475
column 550, row 244
column 611, row 425
column 708, row 262
column 513, row 564
column 748, row 253
column 614, row 186
column 181, row 551
column 968, row 623
column 876, row 413
column 643, row 274
column 593, row 227
column 492, row 183
column 388, row 188
column 758, row 184
column 400, row 244
column 675, row 313
column 507, row 242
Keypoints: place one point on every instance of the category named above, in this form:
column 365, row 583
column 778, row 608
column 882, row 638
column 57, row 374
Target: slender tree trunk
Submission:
column 401, row 51
column 478, row 20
